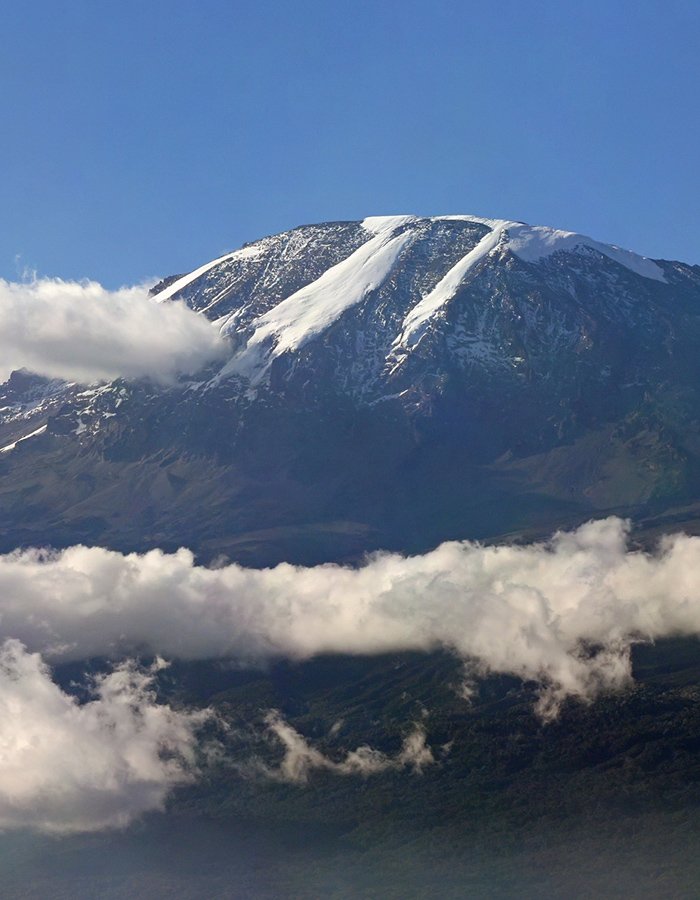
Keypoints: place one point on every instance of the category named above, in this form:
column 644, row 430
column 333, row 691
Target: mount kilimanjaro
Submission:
column 390, row 383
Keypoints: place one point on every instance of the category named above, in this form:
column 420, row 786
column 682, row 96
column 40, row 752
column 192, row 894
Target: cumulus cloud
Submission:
column 563, row 613
column 82, row 332
column 68, row 767
column 300, row 758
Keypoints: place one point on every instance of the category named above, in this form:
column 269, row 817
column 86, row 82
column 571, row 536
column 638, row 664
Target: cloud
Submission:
column 79, row 331
column 300, row 758
column 66, row 767
column 563, row 613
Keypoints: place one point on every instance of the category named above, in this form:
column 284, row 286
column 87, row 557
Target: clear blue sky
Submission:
column 143, row 138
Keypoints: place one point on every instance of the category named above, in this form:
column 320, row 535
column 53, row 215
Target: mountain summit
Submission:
column 391, row 382
column 390, row 281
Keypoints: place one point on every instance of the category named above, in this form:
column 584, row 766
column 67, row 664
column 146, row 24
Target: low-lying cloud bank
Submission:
column 82, row 332
column 563, row 613
column 66, row 767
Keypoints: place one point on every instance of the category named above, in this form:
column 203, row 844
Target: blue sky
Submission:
column 143, row 138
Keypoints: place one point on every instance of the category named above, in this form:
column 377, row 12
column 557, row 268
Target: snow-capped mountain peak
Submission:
column 391, row 280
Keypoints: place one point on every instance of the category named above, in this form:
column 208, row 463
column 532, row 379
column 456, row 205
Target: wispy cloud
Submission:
column 300, row 758
column 82, row 332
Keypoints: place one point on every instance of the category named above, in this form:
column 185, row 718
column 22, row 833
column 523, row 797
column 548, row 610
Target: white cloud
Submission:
column 67, row 767
column 563, row 613
column 300, row 758
column 82, row 332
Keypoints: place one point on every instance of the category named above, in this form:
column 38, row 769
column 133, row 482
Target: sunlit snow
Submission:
column 534, row 242
column 446, row 288
column 181, row 283
column 312, row 309
column 25, row 438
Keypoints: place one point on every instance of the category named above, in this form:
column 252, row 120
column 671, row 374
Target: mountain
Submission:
column 389, row 383
column 393, row 382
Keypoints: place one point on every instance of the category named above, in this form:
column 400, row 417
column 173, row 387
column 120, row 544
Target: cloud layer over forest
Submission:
column 563, row 613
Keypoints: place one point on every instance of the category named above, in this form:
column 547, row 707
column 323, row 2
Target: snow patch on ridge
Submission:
column 478, row 220
column 415, row 322
column 181, row 283
column 379, row 224
column 530, row 243
column 534, row 242
column 312, row 309
column 25, row 438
